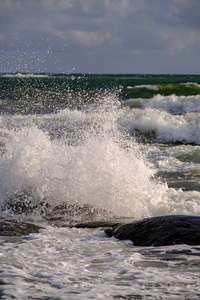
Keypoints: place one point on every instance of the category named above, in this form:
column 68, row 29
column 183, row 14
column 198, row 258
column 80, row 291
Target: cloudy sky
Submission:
column 100, row 36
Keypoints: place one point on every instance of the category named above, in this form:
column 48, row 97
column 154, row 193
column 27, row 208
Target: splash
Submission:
column 76, row 157
column 79, row 162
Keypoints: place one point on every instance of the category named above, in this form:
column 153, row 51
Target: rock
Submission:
column 14, row 228
column 160, row 231
column 97, row 224
column 72, row 213
column 111, row 222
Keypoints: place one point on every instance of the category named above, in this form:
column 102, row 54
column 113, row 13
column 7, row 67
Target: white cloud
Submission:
column 120, row 7
column 9, row 6
column 58, row 4
column 115, row 30
column 178, row 41
column 2, row 37
column 88, row 39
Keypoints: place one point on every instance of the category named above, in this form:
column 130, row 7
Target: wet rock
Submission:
column 21, row 202
column 65, row 212
column 111, row 222
column 13, row 228
column 160, row 231
column 97, row 224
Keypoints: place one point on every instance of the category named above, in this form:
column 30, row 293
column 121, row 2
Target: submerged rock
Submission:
column 22, row 203
column 160, row 231
column 14, row 228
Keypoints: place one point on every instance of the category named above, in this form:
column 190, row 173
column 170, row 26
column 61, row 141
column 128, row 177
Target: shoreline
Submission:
column 154, row 231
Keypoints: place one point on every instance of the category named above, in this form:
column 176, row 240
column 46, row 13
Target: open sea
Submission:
column 76, row 148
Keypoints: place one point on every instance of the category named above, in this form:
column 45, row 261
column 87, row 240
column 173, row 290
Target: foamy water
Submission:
column 92, row 164
column 61, row 263
column 85, row 157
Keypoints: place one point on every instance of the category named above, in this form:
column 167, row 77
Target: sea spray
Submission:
column 61, row 144
column 87, row 154
column 90, row 162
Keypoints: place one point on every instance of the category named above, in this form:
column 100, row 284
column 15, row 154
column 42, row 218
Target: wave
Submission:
column 147, row 86
column 144, row 86
column 173, row 104
column 89, row 157
column 161, row 126
column 91, row 163
column 150, row 90
column 81, row 159
column 24, row 75
column 164, row 87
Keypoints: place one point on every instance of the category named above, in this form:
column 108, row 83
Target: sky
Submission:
column 100, row 36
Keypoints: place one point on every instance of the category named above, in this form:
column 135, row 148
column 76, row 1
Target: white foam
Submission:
column 167, row 127
column 191, row 84
column 85, row 264
column 97, row 172
column 85, row 157
column 88, row 161
column 147, row 86
column 24, row 75
column 174, row 103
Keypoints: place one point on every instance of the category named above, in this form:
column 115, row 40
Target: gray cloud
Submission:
column 123, row 36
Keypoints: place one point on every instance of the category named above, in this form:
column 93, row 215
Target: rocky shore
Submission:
column 155, row 231
column 12, row 230
column 160, row 231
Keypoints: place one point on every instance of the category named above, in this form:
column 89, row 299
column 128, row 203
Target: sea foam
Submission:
column 175, row 104
column 86, row 158
column 77, row 157
column 163, row 126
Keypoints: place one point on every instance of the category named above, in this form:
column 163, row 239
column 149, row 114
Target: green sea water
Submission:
column 48, row 93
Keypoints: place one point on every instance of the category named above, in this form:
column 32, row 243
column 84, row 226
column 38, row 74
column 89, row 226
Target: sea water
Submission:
column 95, row 147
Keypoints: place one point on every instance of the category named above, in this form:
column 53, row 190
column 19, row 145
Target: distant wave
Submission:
column 24, row 75
column 147, row 86
column 150, row 90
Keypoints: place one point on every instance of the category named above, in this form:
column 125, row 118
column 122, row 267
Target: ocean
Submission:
column 85, row 147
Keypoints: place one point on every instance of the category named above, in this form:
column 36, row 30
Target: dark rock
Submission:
column 160, row 231
column 13, row 228
column 111, row 222
column 97, row 224
column 22, row 203
column 65, row 212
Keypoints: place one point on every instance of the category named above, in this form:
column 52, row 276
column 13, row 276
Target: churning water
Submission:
column 77, row 148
